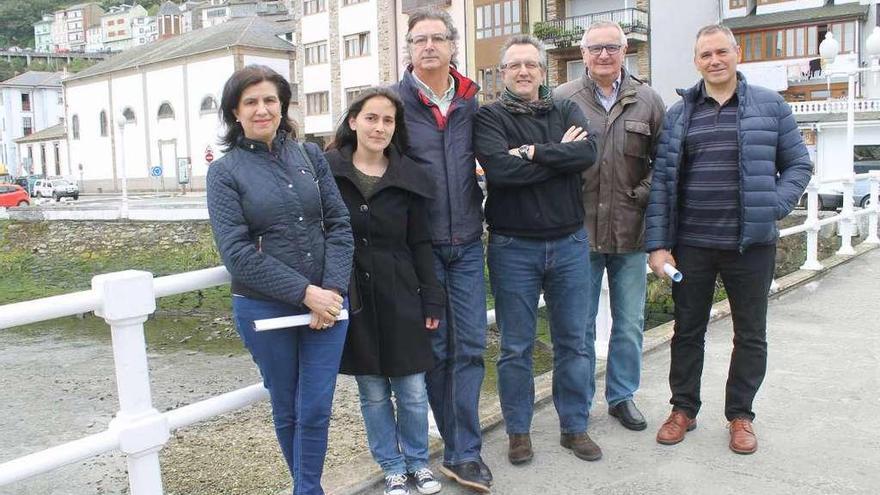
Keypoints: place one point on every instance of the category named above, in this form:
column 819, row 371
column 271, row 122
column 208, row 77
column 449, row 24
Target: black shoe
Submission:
column 628, row 415
column 485, row 472
column 467, row 474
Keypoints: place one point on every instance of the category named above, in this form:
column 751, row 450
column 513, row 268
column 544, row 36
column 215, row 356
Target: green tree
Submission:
column 17, row 18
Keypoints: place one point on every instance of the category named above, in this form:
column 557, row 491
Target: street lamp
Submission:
column 120, row 122
column 829, row 49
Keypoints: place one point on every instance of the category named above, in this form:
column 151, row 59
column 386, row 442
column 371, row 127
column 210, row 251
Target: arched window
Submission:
column 102, row 119
column 165, row 111
column 74, row 124
column 209, row 104
column 128, row 114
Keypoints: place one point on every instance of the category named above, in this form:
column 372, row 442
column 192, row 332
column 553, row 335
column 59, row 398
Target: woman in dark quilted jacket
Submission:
column 394, row 285
column 284, row 235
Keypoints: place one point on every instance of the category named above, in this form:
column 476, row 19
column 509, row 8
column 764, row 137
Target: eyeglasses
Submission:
column 611, row 48
column 422, row 39
column 529, row 65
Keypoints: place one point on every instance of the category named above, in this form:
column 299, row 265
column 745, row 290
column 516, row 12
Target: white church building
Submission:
column 167, row 93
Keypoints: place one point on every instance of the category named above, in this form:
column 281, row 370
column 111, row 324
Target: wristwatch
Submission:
column 524, row 151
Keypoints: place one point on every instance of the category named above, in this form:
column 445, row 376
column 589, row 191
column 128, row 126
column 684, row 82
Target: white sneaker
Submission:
column 426, row 483
column 395, row 484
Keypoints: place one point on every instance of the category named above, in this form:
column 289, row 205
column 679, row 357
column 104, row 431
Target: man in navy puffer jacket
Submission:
column 730, row 163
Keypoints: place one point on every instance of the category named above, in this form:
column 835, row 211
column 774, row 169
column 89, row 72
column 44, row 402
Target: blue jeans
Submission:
column 519, row 268
column 458, row 344
column 299, row 368
column 399, row 446
column 627, row 285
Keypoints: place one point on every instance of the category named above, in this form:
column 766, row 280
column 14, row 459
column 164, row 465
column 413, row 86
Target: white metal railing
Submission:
column 833, row 106
column 846, row 217
column 125, row 300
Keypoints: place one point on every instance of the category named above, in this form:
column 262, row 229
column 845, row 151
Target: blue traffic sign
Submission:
column 156, row 171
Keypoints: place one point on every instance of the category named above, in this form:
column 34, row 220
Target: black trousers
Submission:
column 747, row 277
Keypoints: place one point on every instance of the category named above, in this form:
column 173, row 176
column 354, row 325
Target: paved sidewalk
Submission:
column 816, row 419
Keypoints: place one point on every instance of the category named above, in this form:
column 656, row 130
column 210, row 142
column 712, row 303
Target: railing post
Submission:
column 875, row 206
column 128, row 299
column 603, row 320
column 812, row 261
column 847, row 225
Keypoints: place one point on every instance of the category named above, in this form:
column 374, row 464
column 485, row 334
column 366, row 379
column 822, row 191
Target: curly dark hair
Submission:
column 345, row 136
column 235, row 86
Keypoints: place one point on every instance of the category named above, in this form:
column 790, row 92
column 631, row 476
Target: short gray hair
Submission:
column 432, row 14
column 715, row 28
column 600, row 25
column 526, row 39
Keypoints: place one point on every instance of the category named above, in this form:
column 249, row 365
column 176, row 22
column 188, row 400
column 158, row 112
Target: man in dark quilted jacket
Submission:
column 730, row 163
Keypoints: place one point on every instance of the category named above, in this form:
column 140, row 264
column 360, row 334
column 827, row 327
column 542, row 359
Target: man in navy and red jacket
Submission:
column 440, row 106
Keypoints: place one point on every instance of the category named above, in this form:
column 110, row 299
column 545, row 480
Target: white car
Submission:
column 55, row 189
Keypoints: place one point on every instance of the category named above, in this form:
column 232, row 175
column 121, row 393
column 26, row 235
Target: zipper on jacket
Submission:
column 259, row 244
column 739, row 159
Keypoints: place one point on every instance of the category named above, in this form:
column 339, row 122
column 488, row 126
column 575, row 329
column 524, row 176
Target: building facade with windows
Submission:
column 167, row 95
column 29, row 103
column 564, row 25
column 344, row 46
column 779, row 41
column 71, row 25
column 43, row 33
column 117, row 26
column 47, row 151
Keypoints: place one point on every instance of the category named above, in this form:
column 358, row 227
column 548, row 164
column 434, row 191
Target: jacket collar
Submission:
column 402, row 172
column 692, row 94
column 464, row 88
column 253, row 145
column 627, row 83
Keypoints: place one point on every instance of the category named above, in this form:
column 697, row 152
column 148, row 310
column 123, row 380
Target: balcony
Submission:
column 833, row 106
column 563, row 33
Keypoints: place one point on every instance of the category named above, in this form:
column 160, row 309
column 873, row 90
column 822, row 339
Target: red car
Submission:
column 13, row 195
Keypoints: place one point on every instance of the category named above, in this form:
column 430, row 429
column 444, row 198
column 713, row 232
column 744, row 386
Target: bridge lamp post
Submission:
column 829, row 49
column 120, row 122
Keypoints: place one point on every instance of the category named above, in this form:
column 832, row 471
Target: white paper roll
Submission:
column 290, row 321
column 674, row 274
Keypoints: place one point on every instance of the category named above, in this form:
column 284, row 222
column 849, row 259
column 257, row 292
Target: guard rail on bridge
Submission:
column 125, row 300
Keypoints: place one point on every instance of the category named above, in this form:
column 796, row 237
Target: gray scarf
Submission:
column 516, row 105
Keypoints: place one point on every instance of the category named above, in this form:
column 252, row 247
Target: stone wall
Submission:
column 71, row 237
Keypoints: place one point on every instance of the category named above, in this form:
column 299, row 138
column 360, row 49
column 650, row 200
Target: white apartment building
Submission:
column 345, row 46
column 144, row 30
column 29, row 103
column 168, row 94
column 780, row 39
column 117, row 26
column 69, row 30
column 43, row 33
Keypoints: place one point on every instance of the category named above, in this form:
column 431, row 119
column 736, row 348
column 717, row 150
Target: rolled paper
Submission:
column 290, row 321
column 674, row 274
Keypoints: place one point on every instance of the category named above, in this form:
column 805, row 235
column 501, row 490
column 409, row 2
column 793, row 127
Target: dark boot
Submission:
column 520, row 449
column 582, row 446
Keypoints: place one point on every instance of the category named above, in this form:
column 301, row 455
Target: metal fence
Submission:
column 125, row 300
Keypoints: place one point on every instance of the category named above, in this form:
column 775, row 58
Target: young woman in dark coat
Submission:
column 399, row 300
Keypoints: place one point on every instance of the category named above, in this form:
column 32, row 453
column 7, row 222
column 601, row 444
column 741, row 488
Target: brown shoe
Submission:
column 742, row 436
column 675, row 427
column 520, row 448
column 581, row 445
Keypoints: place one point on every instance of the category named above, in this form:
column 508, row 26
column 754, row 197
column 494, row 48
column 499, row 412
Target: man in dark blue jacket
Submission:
column 730, row 163
column 440, row 106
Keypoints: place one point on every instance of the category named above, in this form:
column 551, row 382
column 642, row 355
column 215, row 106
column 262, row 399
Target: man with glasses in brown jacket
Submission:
column 625, row 116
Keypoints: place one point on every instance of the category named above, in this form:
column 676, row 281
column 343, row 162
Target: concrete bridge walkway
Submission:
column 817, row 412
